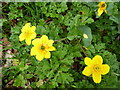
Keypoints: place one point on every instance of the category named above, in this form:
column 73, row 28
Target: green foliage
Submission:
column 15, row 11
column 19, row 81
column 86, row 30
column 65, row 23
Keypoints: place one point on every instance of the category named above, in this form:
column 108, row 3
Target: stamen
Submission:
column 96, row 68
column 27, row 34
column 81, row 13
column 103, row 5
column 42, row 47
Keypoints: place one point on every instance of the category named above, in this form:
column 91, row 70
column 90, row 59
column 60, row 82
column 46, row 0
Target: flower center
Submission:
column 81, row 13
column 103, row 5
column 42, row 47
column 27, row 34
column 96, row 68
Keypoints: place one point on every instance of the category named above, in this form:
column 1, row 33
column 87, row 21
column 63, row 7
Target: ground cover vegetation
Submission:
column 60, row 44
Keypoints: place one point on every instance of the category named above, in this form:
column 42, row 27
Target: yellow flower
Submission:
column 95, row 68
column 41, row 48
column 28, row 33
column 82, row 13
column 85, row 36
column 102, row 7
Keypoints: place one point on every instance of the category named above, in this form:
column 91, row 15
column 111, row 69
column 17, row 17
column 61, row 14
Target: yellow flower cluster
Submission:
column 42, row 46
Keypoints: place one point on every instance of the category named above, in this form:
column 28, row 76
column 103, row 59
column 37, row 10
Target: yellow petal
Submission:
column 28, row 41
column 26, row 27
column 96, row 77
column 105, row 69
column 40, row 57
column 27, row 24
column 44, row 39
column 97, row 59
column 33, row 51
column 88, row 61
column 51, row 48
column 106, row 11
column 37, row 42
column 33, row 35
column 47, row 55
column 21, row 37
column 33, row 28
column 50, row 42
column 87, row 71
column 100, row 11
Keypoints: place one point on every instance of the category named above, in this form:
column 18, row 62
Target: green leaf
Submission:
column 74, row 32
column 19, row 81
column 28, row 76
column 33, row 84
column 112, row 8
column 91, row 48
column 46, row 65
column 39, row 83
column 89, row 20
column 41, row 30
column 114, row 18
column 86, row 30
column 60, row 53
column 65, row 78
column 70, row 37
column 99, row 46
column 63, row 68
column 67, row 60
column 50, row 74
column 77, row 54
column 22, row 67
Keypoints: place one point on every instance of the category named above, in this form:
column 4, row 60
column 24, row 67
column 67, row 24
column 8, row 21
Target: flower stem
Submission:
column 116, row 74
column 82, row 48
column 60, row 40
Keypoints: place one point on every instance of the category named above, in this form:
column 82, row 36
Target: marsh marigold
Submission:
column 28, row 33
column 95, row 68
column 102, row 7
column 42, row 47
